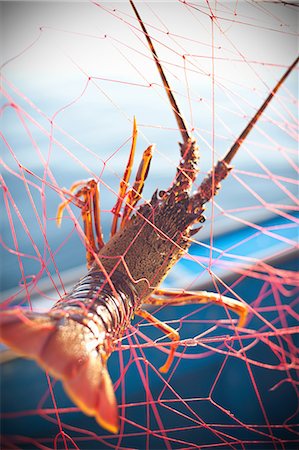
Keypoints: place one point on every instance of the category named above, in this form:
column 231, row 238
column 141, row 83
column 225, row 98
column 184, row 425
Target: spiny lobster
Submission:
column 76, row 337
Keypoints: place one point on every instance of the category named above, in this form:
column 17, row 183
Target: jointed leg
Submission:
column 164, row 297
column 179, row 298
column 75, row 200
column 86, row 198
column 97, row 215
column 124, row 182
column 171, row 333
column 134, row 194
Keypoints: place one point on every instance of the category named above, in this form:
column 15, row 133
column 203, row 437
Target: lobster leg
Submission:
column 90, row 211
column 166, row 329
column 96, row 214
column 75, row 199
column 179, row 298
column 134, row 194
column 124, row 182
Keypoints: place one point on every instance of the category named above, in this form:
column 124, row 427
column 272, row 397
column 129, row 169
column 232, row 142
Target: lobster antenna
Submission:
column 175, row 108
column 231, row 153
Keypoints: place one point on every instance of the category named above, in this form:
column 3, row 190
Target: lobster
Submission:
column 75, row 338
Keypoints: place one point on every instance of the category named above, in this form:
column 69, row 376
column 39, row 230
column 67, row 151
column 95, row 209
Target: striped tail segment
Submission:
column 74, row 339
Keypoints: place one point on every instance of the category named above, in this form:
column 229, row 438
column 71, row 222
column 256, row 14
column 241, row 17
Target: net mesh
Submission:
column 73, row 77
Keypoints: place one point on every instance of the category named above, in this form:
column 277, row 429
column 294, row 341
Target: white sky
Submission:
column 77, row 29
column 252, row 48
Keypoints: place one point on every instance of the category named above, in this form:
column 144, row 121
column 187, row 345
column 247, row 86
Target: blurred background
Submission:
column 73, row 76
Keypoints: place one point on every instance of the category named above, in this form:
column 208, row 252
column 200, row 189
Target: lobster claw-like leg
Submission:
column 87, row 198
column 180, row 298
column 166, row 329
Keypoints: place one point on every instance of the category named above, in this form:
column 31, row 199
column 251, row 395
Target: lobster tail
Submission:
column 69, row 351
